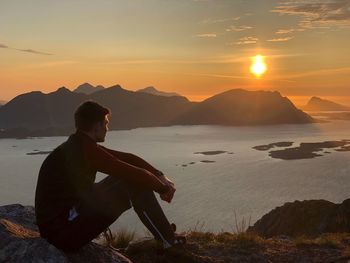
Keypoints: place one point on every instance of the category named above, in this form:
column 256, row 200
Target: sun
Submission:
column 258, row 67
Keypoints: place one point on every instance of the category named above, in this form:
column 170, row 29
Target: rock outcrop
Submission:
column 20, row 241
column 308, row 218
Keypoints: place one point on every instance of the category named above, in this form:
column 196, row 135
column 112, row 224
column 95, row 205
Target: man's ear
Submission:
column 96, row 127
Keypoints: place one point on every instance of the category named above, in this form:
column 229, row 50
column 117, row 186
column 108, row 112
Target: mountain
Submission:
column 87, row 88
column 137, row 109
column 2, row 102
column 318, row 104
column 154, row 91
column 39, row 114
column 241, row 107
column 37, row 111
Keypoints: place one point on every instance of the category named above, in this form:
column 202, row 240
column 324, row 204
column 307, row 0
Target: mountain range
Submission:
column 318, row 104
column 39, row 114
column 154, row 91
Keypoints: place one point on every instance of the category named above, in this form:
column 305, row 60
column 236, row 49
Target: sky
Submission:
column 197, row 48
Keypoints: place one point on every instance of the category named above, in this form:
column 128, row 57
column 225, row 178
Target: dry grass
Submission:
column 331, row 240
column 118, row 239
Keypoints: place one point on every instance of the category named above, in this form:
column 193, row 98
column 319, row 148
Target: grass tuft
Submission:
column 325, row 240
column 118, row 239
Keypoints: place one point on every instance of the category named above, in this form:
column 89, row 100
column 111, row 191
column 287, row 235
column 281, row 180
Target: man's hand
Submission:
column 168, row 196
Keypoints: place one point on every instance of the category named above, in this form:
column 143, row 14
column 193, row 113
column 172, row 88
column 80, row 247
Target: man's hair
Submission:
column 89, row 113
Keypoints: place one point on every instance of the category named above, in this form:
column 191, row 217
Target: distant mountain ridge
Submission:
column 87, row 88
column 154, row 91
column 318, row 104
column 39, row 114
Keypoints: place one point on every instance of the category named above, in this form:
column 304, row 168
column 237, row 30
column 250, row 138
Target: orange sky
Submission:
column 194, row 47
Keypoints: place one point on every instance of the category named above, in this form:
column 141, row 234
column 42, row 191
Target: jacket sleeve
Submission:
column 133, row 160
column 105, row 162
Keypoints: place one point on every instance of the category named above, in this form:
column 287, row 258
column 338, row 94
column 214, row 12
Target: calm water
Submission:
column 247, row 182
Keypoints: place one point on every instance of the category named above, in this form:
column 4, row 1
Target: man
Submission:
column 71, row 209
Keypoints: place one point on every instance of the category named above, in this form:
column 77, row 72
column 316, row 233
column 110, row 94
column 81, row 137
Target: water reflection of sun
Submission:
column 258, row 67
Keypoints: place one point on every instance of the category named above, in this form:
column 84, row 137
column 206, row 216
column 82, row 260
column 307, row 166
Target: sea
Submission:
column 222, row 182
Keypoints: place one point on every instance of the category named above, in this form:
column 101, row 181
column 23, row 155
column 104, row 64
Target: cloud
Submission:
column 222, row 20
column 3, row 46
column 34, row 51
column 26, row 50
column 317, row 13
column 321, row 72
column 247, row 40
column 208, row 35
column 238, row 28
column 284, row 39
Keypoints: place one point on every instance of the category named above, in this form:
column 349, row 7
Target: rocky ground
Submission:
column 245, row 247
column 277, row 237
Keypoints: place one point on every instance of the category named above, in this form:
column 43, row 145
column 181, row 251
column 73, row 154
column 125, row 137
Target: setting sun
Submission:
column 258, row 66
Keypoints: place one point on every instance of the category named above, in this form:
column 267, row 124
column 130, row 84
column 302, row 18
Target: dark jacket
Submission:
column 68, row 173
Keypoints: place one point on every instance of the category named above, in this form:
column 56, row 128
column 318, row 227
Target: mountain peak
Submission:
column 87, row 88
column 117, row 86
column 319, row 104
column 152, row 90
column 315, row 98
column 63, row 90
column 86, row 84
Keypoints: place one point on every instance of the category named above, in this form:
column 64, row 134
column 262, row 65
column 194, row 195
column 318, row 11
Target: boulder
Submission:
column 20, row 241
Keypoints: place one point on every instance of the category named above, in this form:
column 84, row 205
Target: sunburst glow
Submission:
column 258, row 67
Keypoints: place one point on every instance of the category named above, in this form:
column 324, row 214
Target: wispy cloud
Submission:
column 26, row 50
column 238, row 28
column 247, row 40
column 321, row 72
column 217, row 21
column 34, row 51
column 284, row 39
column 208, row 35
column 3, row 46
column 289, row 31
column 317, row 13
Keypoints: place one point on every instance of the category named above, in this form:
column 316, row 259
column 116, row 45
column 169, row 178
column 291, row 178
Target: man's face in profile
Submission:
column 101, row 130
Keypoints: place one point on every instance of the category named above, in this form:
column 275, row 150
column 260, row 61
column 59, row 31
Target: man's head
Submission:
column 92, row 118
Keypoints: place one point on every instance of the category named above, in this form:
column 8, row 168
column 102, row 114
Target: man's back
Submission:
column 64, row 179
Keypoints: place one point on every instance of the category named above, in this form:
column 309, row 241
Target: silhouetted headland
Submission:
column 318, row 104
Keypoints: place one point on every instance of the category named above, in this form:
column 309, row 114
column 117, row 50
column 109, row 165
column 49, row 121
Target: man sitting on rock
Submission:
column 71, row 209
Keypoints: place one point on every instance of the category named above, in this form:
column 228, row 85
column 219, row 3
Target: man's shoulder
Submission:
column 64, row 147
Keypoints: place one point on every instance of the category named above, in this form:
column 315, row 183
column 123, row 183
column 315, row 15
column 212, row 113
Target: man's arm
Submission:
column 105, row 162
column 133, row 160
column 141, row 163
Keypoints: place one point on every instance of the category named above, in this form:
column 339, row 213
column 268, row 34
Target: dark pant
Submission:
column 106, row 202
